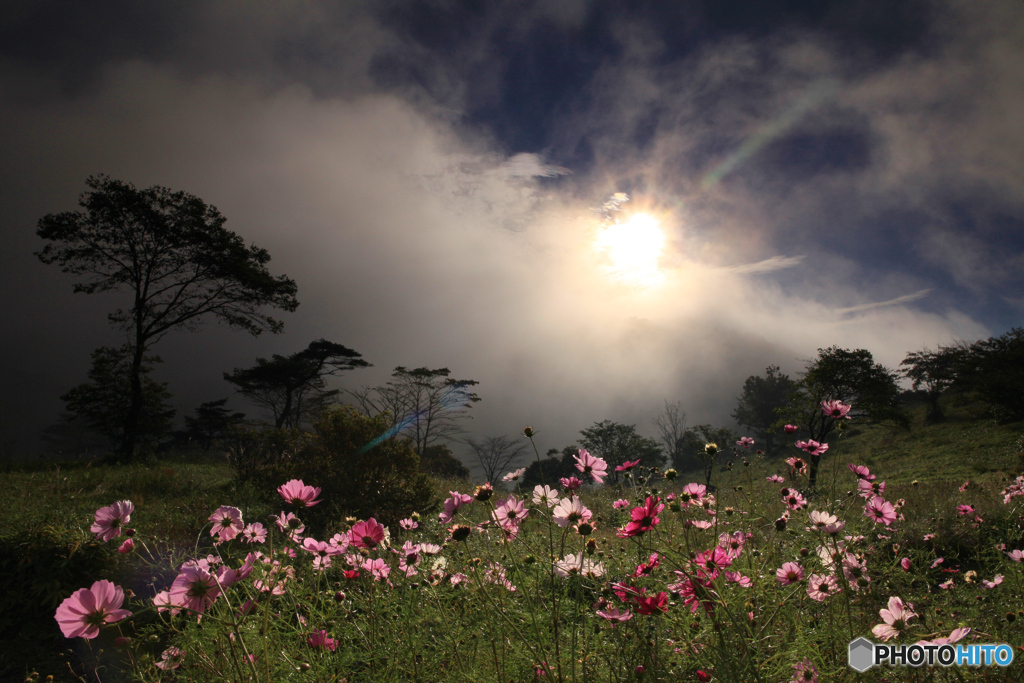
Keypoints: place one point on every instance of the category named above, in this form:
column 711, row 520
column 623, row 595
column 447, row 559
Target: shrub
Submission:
column 251, row 451
column 357, row 476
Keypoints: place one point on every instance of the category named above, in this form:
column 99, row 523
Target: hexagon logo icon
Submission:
column 861, row 655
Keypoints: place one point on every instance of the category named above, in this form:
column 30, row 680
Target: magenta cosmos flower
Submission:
column 170, row 658
column 110, row 519
column 320, row 639
column 789, row 572
column 615, row 616
column 643, row 518
column 790, row 429
column 194, row 589
column 82, row 614
column 821, row 586
column 626, row 467
column 837, row 410
column 861, row 472
column 588, row 464
column 745, row 442
column 880, row 511
column 570, row 483
column 366, row 534
column 298, row 494
column 812, row 447
column 895, row 618
column 510, row 512
column 804, row 672
column 227, row 523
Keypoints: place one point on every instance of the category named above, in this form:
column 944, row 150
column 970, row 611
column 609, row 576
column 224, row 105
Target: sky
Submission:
column 431, row 173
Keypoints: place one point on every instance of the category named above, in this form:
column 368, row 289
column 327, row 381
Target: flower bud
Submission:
column 671, row 474
column 528, row 432
column 339, row 596
column 711, row 448
column 460, row 532
column 780, row 524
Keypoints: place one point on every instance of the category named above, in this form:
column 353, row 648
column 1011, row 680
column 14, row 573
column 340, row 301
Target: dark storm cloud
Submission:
column 826, row 178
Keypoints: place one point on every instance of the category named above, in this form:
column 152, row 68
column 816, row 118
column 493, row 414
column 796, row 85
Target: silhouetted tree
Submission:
column 104, row 401
column 294, row 387
column 212, row 421
column 671, row 424
column 171, row 252
column 556, row 465
column 496, row 455
column 758, row 406
column 936, row 371
column 441, row 462
column 852, row 377
column 994, row 368
column 617, row 443
column 422, row 404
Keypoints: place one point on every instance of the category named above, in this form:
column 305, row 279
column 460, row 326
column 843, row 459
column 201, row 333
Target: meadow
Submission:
column 911, row 535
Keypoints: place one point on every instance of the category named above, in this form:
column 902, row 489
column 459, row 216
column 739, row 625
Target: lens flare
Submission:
column 632, row 250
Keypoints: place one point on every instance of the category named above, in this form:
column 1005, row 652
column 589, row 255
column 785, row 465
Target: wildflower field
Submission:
column 617, row 574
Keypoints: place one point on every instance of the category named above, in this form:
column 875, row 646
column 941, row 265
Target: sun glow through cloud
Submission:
column 632, row 250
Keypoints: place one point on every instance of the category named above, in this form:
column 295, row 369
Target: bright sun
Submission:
column 632, row 250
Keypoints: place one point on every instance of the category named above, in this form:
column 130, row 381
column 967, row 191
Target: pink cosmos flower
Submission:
column 170, row 658
column 699, row 524
column 646, row 568
column 320, row 639
column 929, row 537
column 452, row 504
column 869, row 489
column 366, row 534
column 626, row 467
column 378, row 568
column 733, row 543
column 298, row 494
column 288, row 523
column 964, row 509
column 861, row 472
column 964, row 486
column 797, row 465
column 570, row 511
column 110, row 519
column 643, row 518
column 409, row 524
column 906, row 564
column 82, row 614
column 227, row 522
column 615, row 616
column 789, row 572
column 937, row 562
column 793, row 499
column 620, row 503
column 693, row 492
column 790, row 429
column 998, row 579
column 510, row 512
column 255, row 533
column 956, row 636
column 804, row 672
column 127, row 546
column 895, row 617
column 837, row 410
column 821, row 586
column 545, row 495
column 880, row 510
column 194, row 589
column 736, row 577
column 745, row 442
column 946, row 585
column 597, row 468
column 514, row 475
column 655, row 604
column 709, row 562
column 812, row 447
column 163, row 603
column 1016, row 488
column 775, row 479
column 1016, row 555
column 570, row 483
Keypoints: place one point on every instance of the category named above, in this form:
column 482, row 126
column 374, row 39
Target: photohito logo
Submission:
column 864, row 654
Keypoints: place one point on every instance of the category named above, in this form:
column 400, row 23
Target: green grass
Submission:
column 924, row 465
